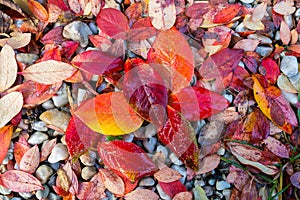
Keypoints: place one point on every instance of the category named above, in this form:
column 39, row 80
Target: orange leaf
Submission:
column 227, row 13
column 5, row 137
column 38, row 10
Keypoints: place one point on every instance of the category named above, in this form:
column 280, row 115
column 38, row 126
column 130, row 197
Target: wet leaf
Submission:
column 276, row 147
column 10, row 105
column 259, row 12
column 197, row 103
column 238, row 177
column 30, row 160
column 270, row 70
column 112, row 22
column 184, row 196
column 126, row 158
column 284, row 8
column 48, row 72
column 167, row 175
column 9, row 68
column 172, row 188
column 5, row 137
column 285, row 33
column 93, row 190
column 47, row 149
column 208, row 163
column 295, row 179
column 227, row 13
column 20, row 148
column 162, row 13
column 247, row 44
column 104, row 114
column 19, row 181
column 112, row 182
column 141, row 194
column 17, row 40
column 38, row 10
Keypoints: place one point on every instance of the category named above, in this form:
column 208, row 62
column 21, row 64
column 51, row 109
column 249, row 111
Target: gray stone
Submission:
column 221, row 151
column 53, row 196
column 150, row 144
column 295, row 81
column 212, row 181
column 289, row 66
column 61, row 99
column 88, row 172
column 264, row 51
column 161, row 193
column 241, row 28
column 162, row 149
column 26, row 195
column 226, row 193
column 181, row 171
column 297, row 13
column 26, row 58
column 93, row 27
column 208, row 190
column 174, row 159
column 292, row 98
column 289, row 21
column 222, row 185
column 128, row 137
column 148, row 181
column 150, row 131
column 42, row 194
column 59, row 152
column 229, row 97
column 4, row 190
column 47, row 105
column 43, row 173
column 39, row 126
column 56, row 118
column 78, row 31
column 263, row 39
column 89, row 158
column 37, row 138
column 201, row 183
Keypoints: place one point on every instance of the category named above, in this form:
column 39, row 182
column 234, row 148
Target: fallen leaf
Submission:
column 6, row 133
column 94, row 189
column 284, row 8
column 276, row 147
column 270, row 70
column 47, row 149
column 285, row 85
column 247, row 44
column 259, row 12
column 172, row 188
column 17, row 40
column 30, row 160
column 295, row 179
column 200, row 193
column 104, row 114
column 227, row 14
column 208, row 163
column 8, row 69
column 38, row 10
column 238, row 177
column 184, row 196
column 19, row 181
column 141, row 194
column 48, row 72
column 167, row 175
column 285, row 33
column 253, row 25
column 162, row 13
column 10, row 105
column 112, row 182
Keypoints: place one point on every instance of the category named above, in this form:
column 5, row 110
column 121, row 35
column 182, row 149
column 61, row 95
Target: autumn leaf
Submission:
column 285, row 33
column 172, row 188
column 38, row 10
column 47, row 149
column 253, row 25
column 178, row 135
column 276, row 147
column 227, row 14
column 19, row 181
column 17, row 40
column 10, row 105
column 183, row 195
column 141, row 194
column 5, row 137
column 208, row 163
column 93, row 189
column 48, row 72
column 162, row 13
column 112, row 182
column 126, row 158
column 247, row 44
column 30, row 160
column 8, row 69
column 167, row 175
column 295, row 179
column 284, row 8
column 270, row 70
column 104, row 114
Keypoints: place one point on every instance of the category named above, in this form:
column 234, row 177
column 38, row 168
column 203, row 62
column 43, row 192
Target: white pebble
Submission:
column 78, row 31
column 43, row 173
column 61, row 99
column 163, row 150
column 37, row 138
column 39, row 126
column 150, row 144
column 88, row 172
column 289, row 66
column 59, row 152
column 174, row 159
column 89, row 158
column 221, row 185
column 148, row 181
column 47, row 105
column 150, row 131
column 221, row 151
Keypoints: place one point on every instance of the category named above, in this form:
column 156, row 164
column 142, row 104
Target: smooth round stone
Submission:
column 42, row 194
column 289, row 20
column 295, row 80
column 56, row 118
column 14, row 198
column 289, row 66
column 43, row 173
column 222, row 185
column 292, row 98
column 27, row 58
column 37, row 138
column 88, row 172
column 247, row 1
column 150, row 144
column 219, row 194
column 53, row 196
column 59, row 152
column 26, row 195
column 161, row 193
column 61, row 99
column 162, row 149
column 148, row 181
column 297, row 13
column 201, row 183
column 128, row 138
column 277, row 35
column 241, row 28
column 174, row 159
column 264, row 51
column 89, row 158
column 93, row 27
column 4, row 190
column 229, row 97
column 221, row 151
column 182, row 171
column 39, row 126
column 150, row 131
column 208, row 190
column 47, row 105
column 212, row 181
column 226, row 193
column 78, row 31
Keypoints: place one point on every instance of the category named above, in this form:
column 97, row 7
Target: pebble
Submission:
column 174, row 159
column 241, row 28
column 93, row 27
column 53, row 196
column 277, row 35
column 148, row 181
column 56, row 118
column 37, row 138
column 292, row 98
column 201, row 183
column 226, row 193
column 27, row 58
column 150, row 131
column 61, row 99
column 14, row 198
column 221, row 151
column 43, row 173
column 25, row 195
column 289, row 66
column 289, row 21
column 208, row 190
column 150, row 144
column 264, row 51
column 247, row 1
column 297, row 13
column 59, row 152
column 161, row 193
column 42, row 194
column 229, row 97
column 162, row 149
column 182, row 171
column 89, row 158
column 4, row 190
column 211, row 181
column 78, row 31
column 47, row 105
column 221, row 185
column 88, row 172
column 39, row 126
column 128, row 138
column 295, row 80
column 263, row 39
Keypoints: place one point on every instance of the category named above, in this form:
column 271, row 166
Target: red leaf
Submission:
column 208, row 163
column 270, row 70
column 60, row 3
column 167, row 175
column 227, row 13
column 112, row 182
column 53, row 36
column 197, row 103
column 172, row 188
column 112, row 22
column 127, row 158
column 69, row 48
column 276, row 147
column 145, row 91
column 20, row 149
column 141, row 194
column 98, row 62
column 5, row 137
column 93, row 190
column 179, row 136
column 19, row 181
column 47, row 149
column 183, row 196
column 30, row 160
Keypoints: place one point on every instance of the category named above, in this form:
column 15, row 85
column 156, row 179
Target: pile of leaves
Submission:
column 166, row 63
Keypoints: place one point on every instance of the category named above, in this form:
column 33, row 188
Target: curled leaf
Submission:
column 38, row 10
column 17, row 40
column 141, row 194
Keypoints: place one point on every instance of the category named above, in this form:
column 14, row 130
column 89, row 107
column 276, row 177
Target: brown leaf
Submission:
column 30, row 160
column 285, row 33
column 49, row 72
column 276, row 147
column 112, row 182
column 141, row 194
column 17, row 40
column 162, row 13
column 19, row 181
column 47, row 149
column 183, row 196
column 8, row 69
column 208, row 163
column 38, row 10
column 5, row 137
column 10, row 105
column 167, row 175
